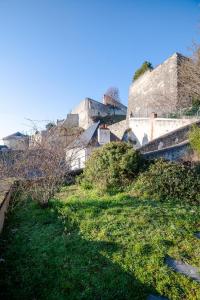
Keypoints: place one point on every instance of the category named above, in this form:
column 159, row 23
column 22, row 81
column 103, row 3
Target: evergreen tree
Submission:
column 145, row 67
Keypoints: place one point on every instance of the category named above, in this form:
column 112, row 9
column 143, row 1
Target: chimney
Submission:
column 103, row 135
column 152, row 124
column 154, row 115
column 104, row 99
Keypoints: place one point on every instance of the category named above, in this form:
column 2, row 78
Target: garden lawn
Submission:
column 85, row 246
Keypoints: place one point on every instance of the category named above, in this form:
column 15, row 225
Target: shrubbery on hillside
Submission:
column 116, row 166
column 111, row 167
column 168, row 180
column 194, row 138
column 194, row 109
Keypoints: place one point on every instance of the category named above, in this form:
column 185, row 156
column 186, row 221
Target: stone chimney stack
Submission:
column 153, row 115
column 103, row 135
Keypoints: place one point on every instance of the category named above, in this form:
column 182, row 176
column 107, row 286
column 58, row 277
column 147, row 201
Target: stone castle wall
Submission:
column 88, row 109
column 158, row 90
column 71, row 121
column 153, row 89
column 82, row 110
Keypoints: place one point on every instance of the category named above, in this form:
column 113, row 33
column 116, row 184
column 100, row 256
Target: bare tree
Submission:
column 189, row 77
column 113, row 92
column 43, row 167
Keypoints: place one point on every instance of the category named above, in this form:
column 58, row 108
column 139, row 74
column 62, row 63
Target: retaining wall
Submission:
column 148, row 129
column 174, row 153
column 7, row 190
column 172, row 138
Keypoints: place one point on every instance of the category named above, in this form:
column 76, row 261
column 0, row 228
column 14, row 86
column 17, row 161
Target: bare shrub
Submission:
column 42, row 167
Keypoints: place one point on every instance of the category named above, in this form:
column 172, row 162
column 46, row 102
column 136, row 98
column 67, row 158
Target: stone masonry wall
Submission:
column 71, row 121
column 155, row 91
column 7, row 190
column 89, row 109
column 173, row 153
column 119, row 128
column 82, row 110
column 147, row 129
column 159, row 90
column 172, row 138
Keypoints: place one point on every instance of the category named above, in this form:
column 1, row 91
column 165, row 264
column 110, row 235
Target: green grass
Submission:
column 85, row 246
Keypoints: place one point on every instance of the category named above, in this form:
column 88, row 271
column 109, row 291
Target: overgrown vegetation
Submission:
column 50, row 125
column 93, row 244
column 112, row 167
column 145, row 67
column 194, row 138
column 194, row 109
column 168, row 180
column 83, row 246
column 44, row 164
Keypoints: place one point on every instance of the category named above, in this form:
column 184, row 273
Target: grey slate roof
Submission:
column 3, row 147
column 85, row 138
column 14, row 135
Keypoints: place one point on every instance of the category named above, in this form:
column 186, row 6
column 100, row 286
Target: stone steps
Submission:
column 182, row 268
column 197, row 234
column 153, row 297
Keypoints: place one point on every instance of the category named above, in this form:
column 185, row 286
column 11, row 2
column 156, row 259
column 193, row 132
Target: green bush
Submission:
column 111, row 167
column 168, row 180
column 194, row 138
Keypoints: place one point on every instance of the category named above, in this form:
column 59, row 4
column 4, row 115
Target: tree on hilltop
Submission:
column 113, row 92
column 146, row 66
column 49, row 125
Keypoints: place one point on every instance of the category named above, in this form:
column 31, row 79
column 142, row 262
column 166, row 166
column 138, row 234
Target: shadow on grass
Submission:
column 122, row 202
column 46, row 257
column 127, row 201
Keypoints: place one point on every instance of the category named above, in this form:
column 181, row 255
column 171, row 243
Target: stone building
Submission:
column 71, row 121
column 60, row 135
column 159, row 90
column 90, row 111
column 153, row 97
column 93, row 137
column 16, row 141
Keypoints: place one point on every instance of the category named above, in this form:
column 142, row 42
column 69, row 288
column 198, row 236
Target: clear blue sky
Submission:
column 54, row 53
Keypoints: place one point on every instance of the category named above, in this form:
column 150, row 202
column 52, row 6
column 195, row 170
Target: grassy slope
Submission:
column 89, row 247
